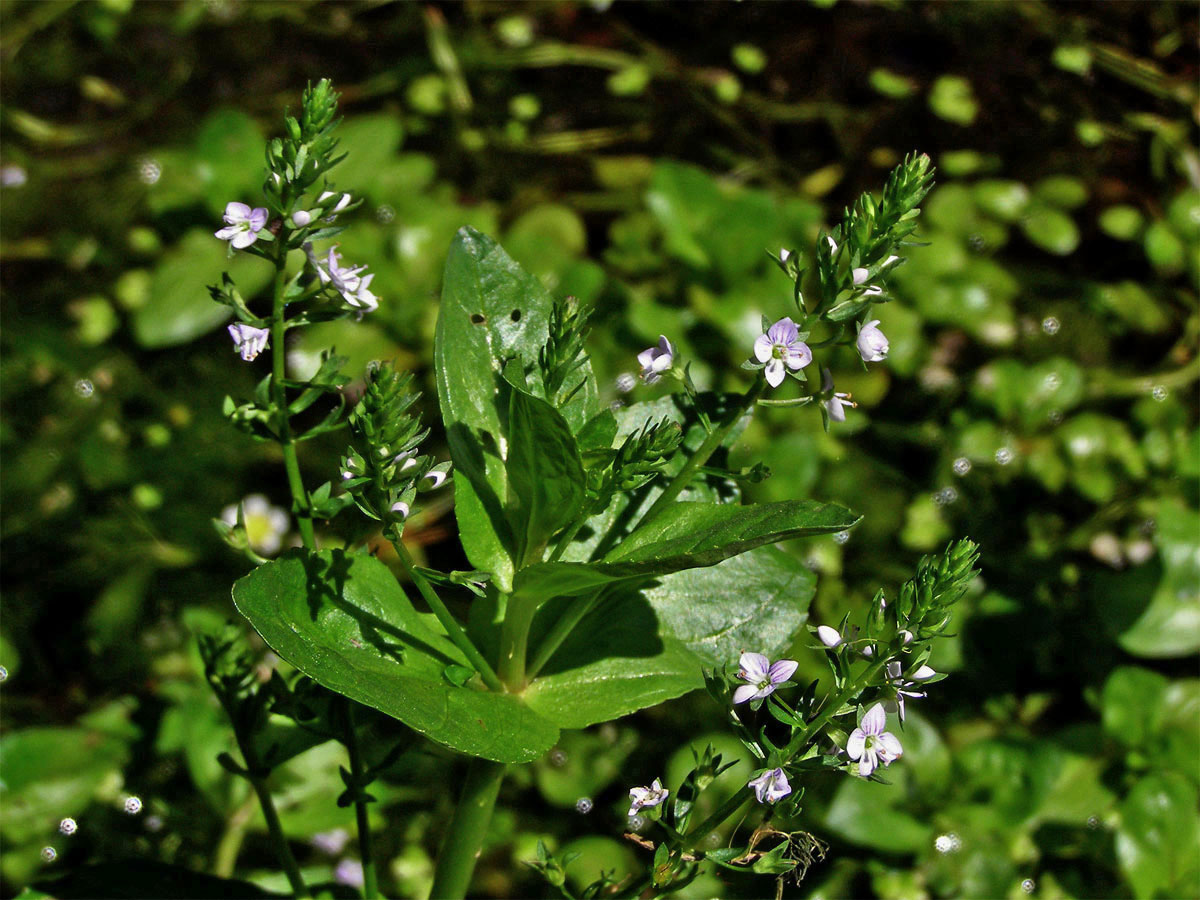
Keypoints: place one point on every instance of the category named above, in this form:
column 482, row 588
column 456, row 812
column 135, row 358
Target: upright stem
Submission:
column 300, row 502
column 357, row 770
column 453, row 629
column 579, row 608
column 468, row 827
column 514, row 640
column 703, row 452
column 278, row 838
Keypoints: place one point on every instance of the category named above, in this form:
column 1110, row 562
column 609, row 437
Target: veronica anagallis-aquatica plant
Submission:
column 592, row 531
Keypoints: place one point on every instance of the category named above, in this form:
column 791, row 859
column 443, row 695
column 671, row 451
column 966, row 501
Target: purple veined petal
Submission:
column 744, row 693
column 244, row 239
column 228, row 232
column 258, row 217
column 866, row 765
column 783, row 332
column 763, row 348
column 753, row 667
column 782, row 670
column 236, row 212
column 774, row 372
column 889, row 747
column 923, row 673
column 875, row 720
column 798, row 355
column 855, row 743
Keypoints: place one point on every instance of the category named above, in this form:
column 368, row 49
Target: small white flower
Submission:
column 890, row 261
column 832, row 244
column 830, row 637
column 771, row 786
column 647, row 797
column 349, row 872
column 401, row 508
column 872, row 343
column 859, row 275
column 784, row 255
column 68, row 826
column 435, row 478
column 871, row 745
column 835, row 403
column 781, row 349
column 656, row 360
column 242, row 224
column 331, row 842
column 301, row 217
column 346, row 280
column 763, row 676
column 249, row 341
column 342, row 203
column 872, row 290
column 905, row 688
column 265, row 524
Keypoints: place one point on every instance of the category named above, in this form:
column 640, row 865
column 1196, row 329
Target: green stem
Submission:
column 453, row 629
column 514, row 640
column 277, row 836
column 361, row 812
column 468, row 827
column 831, row 707
column 300, row 502
column 225, row 859
column 703, row 452
column 563, row 627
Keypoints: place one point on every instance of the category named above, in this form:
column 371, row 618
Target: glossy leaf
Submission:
column 615, row 662
column 345, row 622
column 1157, row 839
column 492, row 312
column 545, row 474
column 758, row 600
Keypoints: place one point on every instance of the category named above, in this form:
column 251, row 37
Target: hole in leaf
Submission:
column 515, row 315
column 478, row 318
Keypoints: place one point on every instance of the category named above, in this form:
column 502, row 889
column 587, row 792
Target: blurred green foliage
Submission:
column 1040, row 396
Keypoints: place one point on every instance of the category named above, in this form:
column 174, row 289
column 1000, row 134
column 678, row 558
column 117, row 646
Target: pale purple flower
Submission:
column 830, row 637
column 871, row 745
column 248, row 340
column 904, row 689
column 763, row 676
column 835, row 403
column 646, row 797
column 348, row 281
column 331, row 842
column 349, row 872
column 872, row 343
column 656, row 360
column 242, row 224
column 771, row 786
column 781, row 347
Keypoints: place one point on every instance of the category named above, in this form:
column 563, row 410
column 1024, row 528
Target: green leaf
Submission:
column 1132, row 705
column 1051, row 229
column 545, row 474
column 615, row 662
column 140, row 878
column 178, row 307
column 492, row 311
column 345, row 622
column 1170, row 625
column 755, row 601
column 864, row 813
column 952, row 99
column 687, row 535
column 1158, row 835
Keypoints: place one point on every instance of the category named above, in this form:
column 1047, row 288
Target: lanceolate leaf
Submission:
column 686, row 536
column 492, row 312
column 545, row 474
column 346, row 623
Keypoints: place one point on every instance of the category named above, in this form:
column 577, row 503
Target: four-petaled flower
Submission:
column 242, row 224
column 781, row 347
column 903, row 688
column 771, row 786
column 646, row 797
column 871, row 745
column 835, row 403
column 346, row 280
column 265, row 524
column 656, row 360
column 872, row 343
column 763, row 676
column 248, row 340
